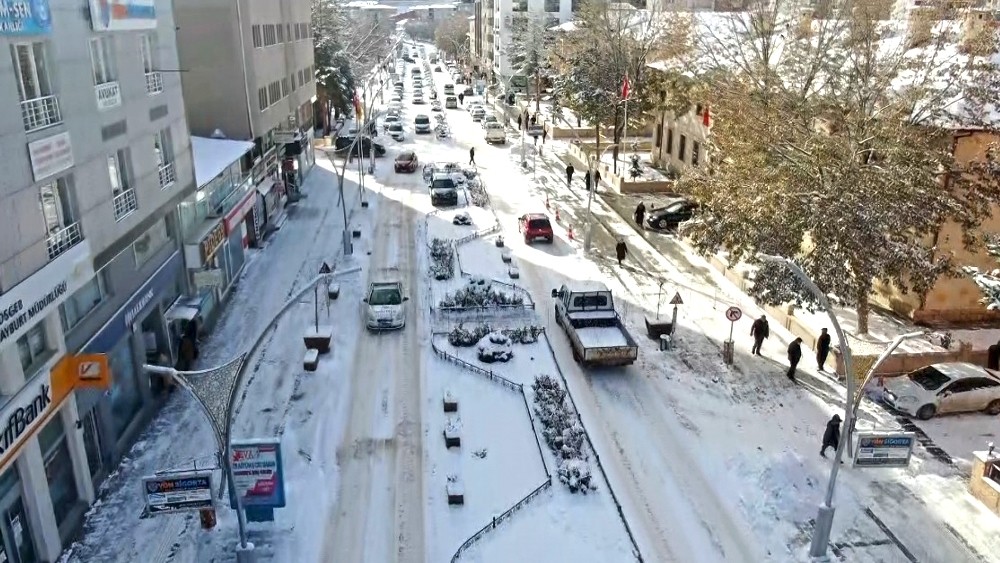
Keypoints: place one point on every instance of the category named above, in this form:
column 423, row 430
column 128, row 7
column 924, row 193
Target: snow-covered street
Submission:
column 692, row 460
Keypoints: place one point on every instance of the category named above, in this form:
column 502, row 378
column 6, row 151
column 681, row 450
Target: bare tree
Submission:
column 529, row 50
column 452, row 36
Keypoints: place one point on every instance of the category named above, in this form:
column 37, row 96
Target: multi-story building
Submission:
column 96, row 158
column 248, row 75
column 508, row 15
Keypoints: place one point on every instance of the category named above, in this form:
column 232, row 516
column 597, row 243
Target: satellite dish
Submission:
column 218, row 134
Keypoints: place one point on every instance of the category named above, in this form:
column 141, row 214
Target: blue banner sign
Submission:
column 25, row 17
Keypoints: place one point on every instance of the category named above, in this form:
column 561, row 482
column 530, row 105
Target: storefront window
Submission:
column 58, row 469
column 236, row 253
column 32, row 349
column 92, row 444
column 125, row 395
column 85, row 300
column 146, row 246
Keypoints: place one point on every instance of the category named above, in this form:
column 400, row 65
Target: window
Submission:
column 58, row 469
column 119, row 171
column 551, row 5
column 32, row 348
column 670, row 141
column 309, row 73
column 291, row 80
column 270, row 35
column 164, row 147
column 281, row 33
column 56, row 203
column 32, row 70
column 285, row 89
column 258, row 41
column 302, row 76
column 85, row 300
column 695, row 152
column 102, row 59
column 575, row 6
column 148, row 50
column 298, row 31
column 682, row 148
column 262, row 98
column 697, row 109
column 274, row 91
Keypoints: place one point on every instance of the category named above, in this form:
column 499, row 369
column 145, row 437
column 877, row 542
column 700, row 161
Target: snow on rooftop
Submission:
column 212, row 156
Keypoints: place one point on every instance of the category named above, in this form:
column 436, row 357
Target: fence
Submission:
column 519, row 388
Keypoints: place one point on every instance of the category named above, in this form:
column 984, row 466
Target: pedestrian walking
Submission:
column 831, row 436
column 545, row 134
column 759, row 331
column 621, row 251
column 640, row 214
column 822, row 350
column 569, row 175
column 461, row 97
column 520, row 122
column 472, row 155
column 597, row 179
column 586, row 179
column 794, row 355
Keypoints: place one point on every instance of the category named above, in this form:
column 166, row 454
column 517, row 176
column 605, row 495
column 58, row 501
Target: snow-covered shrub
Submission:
column 524, row 335
column 477, row 193
column 442, row 259
column 563, row 434
column 479, row 296
column 461, row 336
column 496, row 349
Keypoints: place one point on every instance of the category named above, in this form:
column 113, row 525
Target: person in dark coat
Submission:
column 534, row 119
column 520, row 122
column 621, row 251
column 822, row 349
column 831, row 437
column 586, row 179
column 794, row 355
column 461, row 97
column 545, row 134
column 759, row 331
column 640, row 214
column 569, row 175
column 472, row 155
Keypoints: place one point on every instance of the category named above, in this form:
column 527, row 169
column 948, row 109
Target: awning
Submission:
column 184, row 308
column 264, row 187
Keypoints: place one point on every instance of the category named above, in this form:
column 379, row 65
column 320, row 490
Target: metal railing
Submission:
column 62, row 240
column 497, row 520
column 167, row 175
column 154, row 83
column 41, row 112
column 124, row 204
column 109, row 95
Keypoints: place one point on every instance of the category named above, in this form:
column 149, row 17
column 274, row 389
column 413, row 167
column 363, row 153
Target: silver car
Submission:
column 385, row 306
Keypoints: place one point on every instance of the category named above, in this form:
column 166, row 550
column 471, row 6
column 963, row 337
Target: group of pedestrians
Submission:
column 588, row 180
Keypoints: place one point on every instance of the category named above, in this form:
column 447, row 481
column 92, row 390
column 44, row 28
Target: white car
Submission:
column 944, row 388
column 489, row 119
column 385, row 309
column 478, row 114
column 495, row 133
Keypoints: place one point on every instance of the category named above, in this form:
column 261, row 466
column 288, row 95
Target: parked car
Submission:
column 389, row 120
column 406, row 162
column 668, row 218
column 418, row 99
column 422, row 124
column 449, row 89
column 469, row 91
column 368, row 147
column 395, row 131
column 478, row 114
column 385, row 309
column 944, row 388
column 535, row 226
column 495, row 133
column 444, row 191
column 489, row 119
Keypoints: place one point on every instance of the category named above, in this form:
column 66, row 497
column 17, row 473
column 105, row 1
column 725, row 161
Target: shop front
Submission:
column 208, row 267
column 136, row 334
column 272, row 195
column 241, row 219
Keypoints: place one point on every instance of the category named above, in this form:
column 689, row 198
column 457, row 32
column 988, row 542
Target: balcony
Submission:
column 124, row 204
column 62, row 240
column 154, row 83
column 40, row 113
column 167, row 175
column 109, row 95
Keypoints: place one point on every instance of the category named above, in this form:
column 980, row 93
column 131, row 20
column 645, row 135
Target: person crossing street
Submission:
column 569, row 175
column 472, row 156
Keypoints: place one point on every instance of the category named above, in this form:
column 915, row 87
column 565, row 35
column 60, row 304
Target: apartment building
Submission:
column 507, row 16
column 96, row 158
column 248, row 75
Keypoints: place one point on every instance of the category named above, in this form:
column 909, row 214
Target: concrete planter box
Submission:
column 319, row 340
column 310, row 361
column 450, row 402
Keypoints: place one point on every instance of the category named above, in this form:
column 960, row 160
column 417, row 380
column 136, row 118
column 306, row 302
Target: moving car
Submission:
column 437, row 68
column 944, row 388
column 422, row 124
column 489, row 119
column 451, row 102
column 390, row 120
column 495, row 133
column 469, row 91
column 586, row 312
column 449, row 89
column 535, row 226
column 478, row 114
column 395, row 131
column 444, row 191
column 418, row 99
column 385, row 308
column 367, row 146
column 669, row 217
column 406, row 162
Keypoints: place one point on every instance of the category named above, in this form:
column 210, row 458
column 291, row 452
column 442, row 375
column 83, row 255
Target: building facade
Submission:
column 508, row 15
column 249, row 76
column 97, row 156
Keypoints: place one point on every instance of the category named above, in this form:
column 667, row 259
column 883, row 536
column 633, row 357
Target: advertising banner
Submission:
column 257, row 473
column 884, row 449
column 122, row 15
column 178, row 492
column 27, row 17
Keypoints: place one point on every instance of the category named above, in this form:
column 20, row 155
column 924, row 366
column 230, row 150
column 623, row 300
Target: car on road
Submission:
column 385, row 306
column 395, row 131
column 342, row 144
column 495, row 133
column 389, row 120
column 469, row 91
column 669, row 217
column 397, row 106
column 451, row 102
column 406, row 162
column 944, row 389
column 535, row 226
column 586, row 311
column 444, row 191
column 418, row 99
column 449, row 89
column 437, row 68
column 489, row 119
column 478, row 114
column 422, row 124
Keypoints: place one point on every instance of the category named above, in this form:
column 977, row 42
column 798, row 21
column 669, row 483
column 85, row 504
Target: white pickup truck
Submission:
column 596, row 333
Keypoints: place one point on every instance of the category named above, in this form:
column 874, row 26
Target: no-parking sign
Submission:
column 734, row 314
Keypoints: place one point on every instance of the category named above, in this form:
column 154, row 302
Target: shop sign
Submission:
column 25, row 17
column 178, row 492
column 34, row 297
column 207, row 278
column 884, row 449
column 40, row 398
column 120, row 323
column 258, row 473
column 212, row 242
column 284, row 137
column 50, row 155
column 237, row 214
column 122, row 15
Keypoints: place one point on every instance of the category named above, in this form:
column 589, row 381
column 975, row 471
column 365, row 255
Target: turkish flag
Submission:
column 706, row 117
column 626, row 87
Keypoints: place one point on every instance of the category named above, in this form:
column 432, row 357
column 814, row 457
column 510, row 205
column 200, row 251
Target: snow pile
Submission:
column 479, row 295
column 465, row 337
column 563, row 433
column 496, row 349
column 442, row 259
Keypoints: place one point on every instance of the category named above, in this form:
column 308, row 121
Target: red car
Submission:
column 535, row 226
column 406, row 162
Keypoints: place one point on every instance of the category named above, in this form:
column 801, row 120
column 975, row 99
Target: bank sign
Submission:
column 882, row 449
column 258, row 473
column 25, row 17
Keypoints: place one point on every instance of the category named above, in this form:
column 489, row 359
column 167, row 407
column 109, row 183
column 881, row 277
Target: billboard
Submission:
column 28, row 17
column 884, row 449
column 122, row 15
column 178, row 492
column 258, row 475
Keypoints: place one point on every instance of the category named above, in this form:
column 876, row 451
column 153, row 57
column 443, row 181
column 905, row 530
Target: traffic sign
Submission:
column 325, row 268
column 677, row 299
column 734, row 314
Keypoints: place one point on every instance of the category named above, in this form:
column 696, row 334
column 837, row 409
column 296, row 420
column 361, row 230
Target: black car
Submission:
column 444, row 192
column 669, row 217
column 343, row 143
